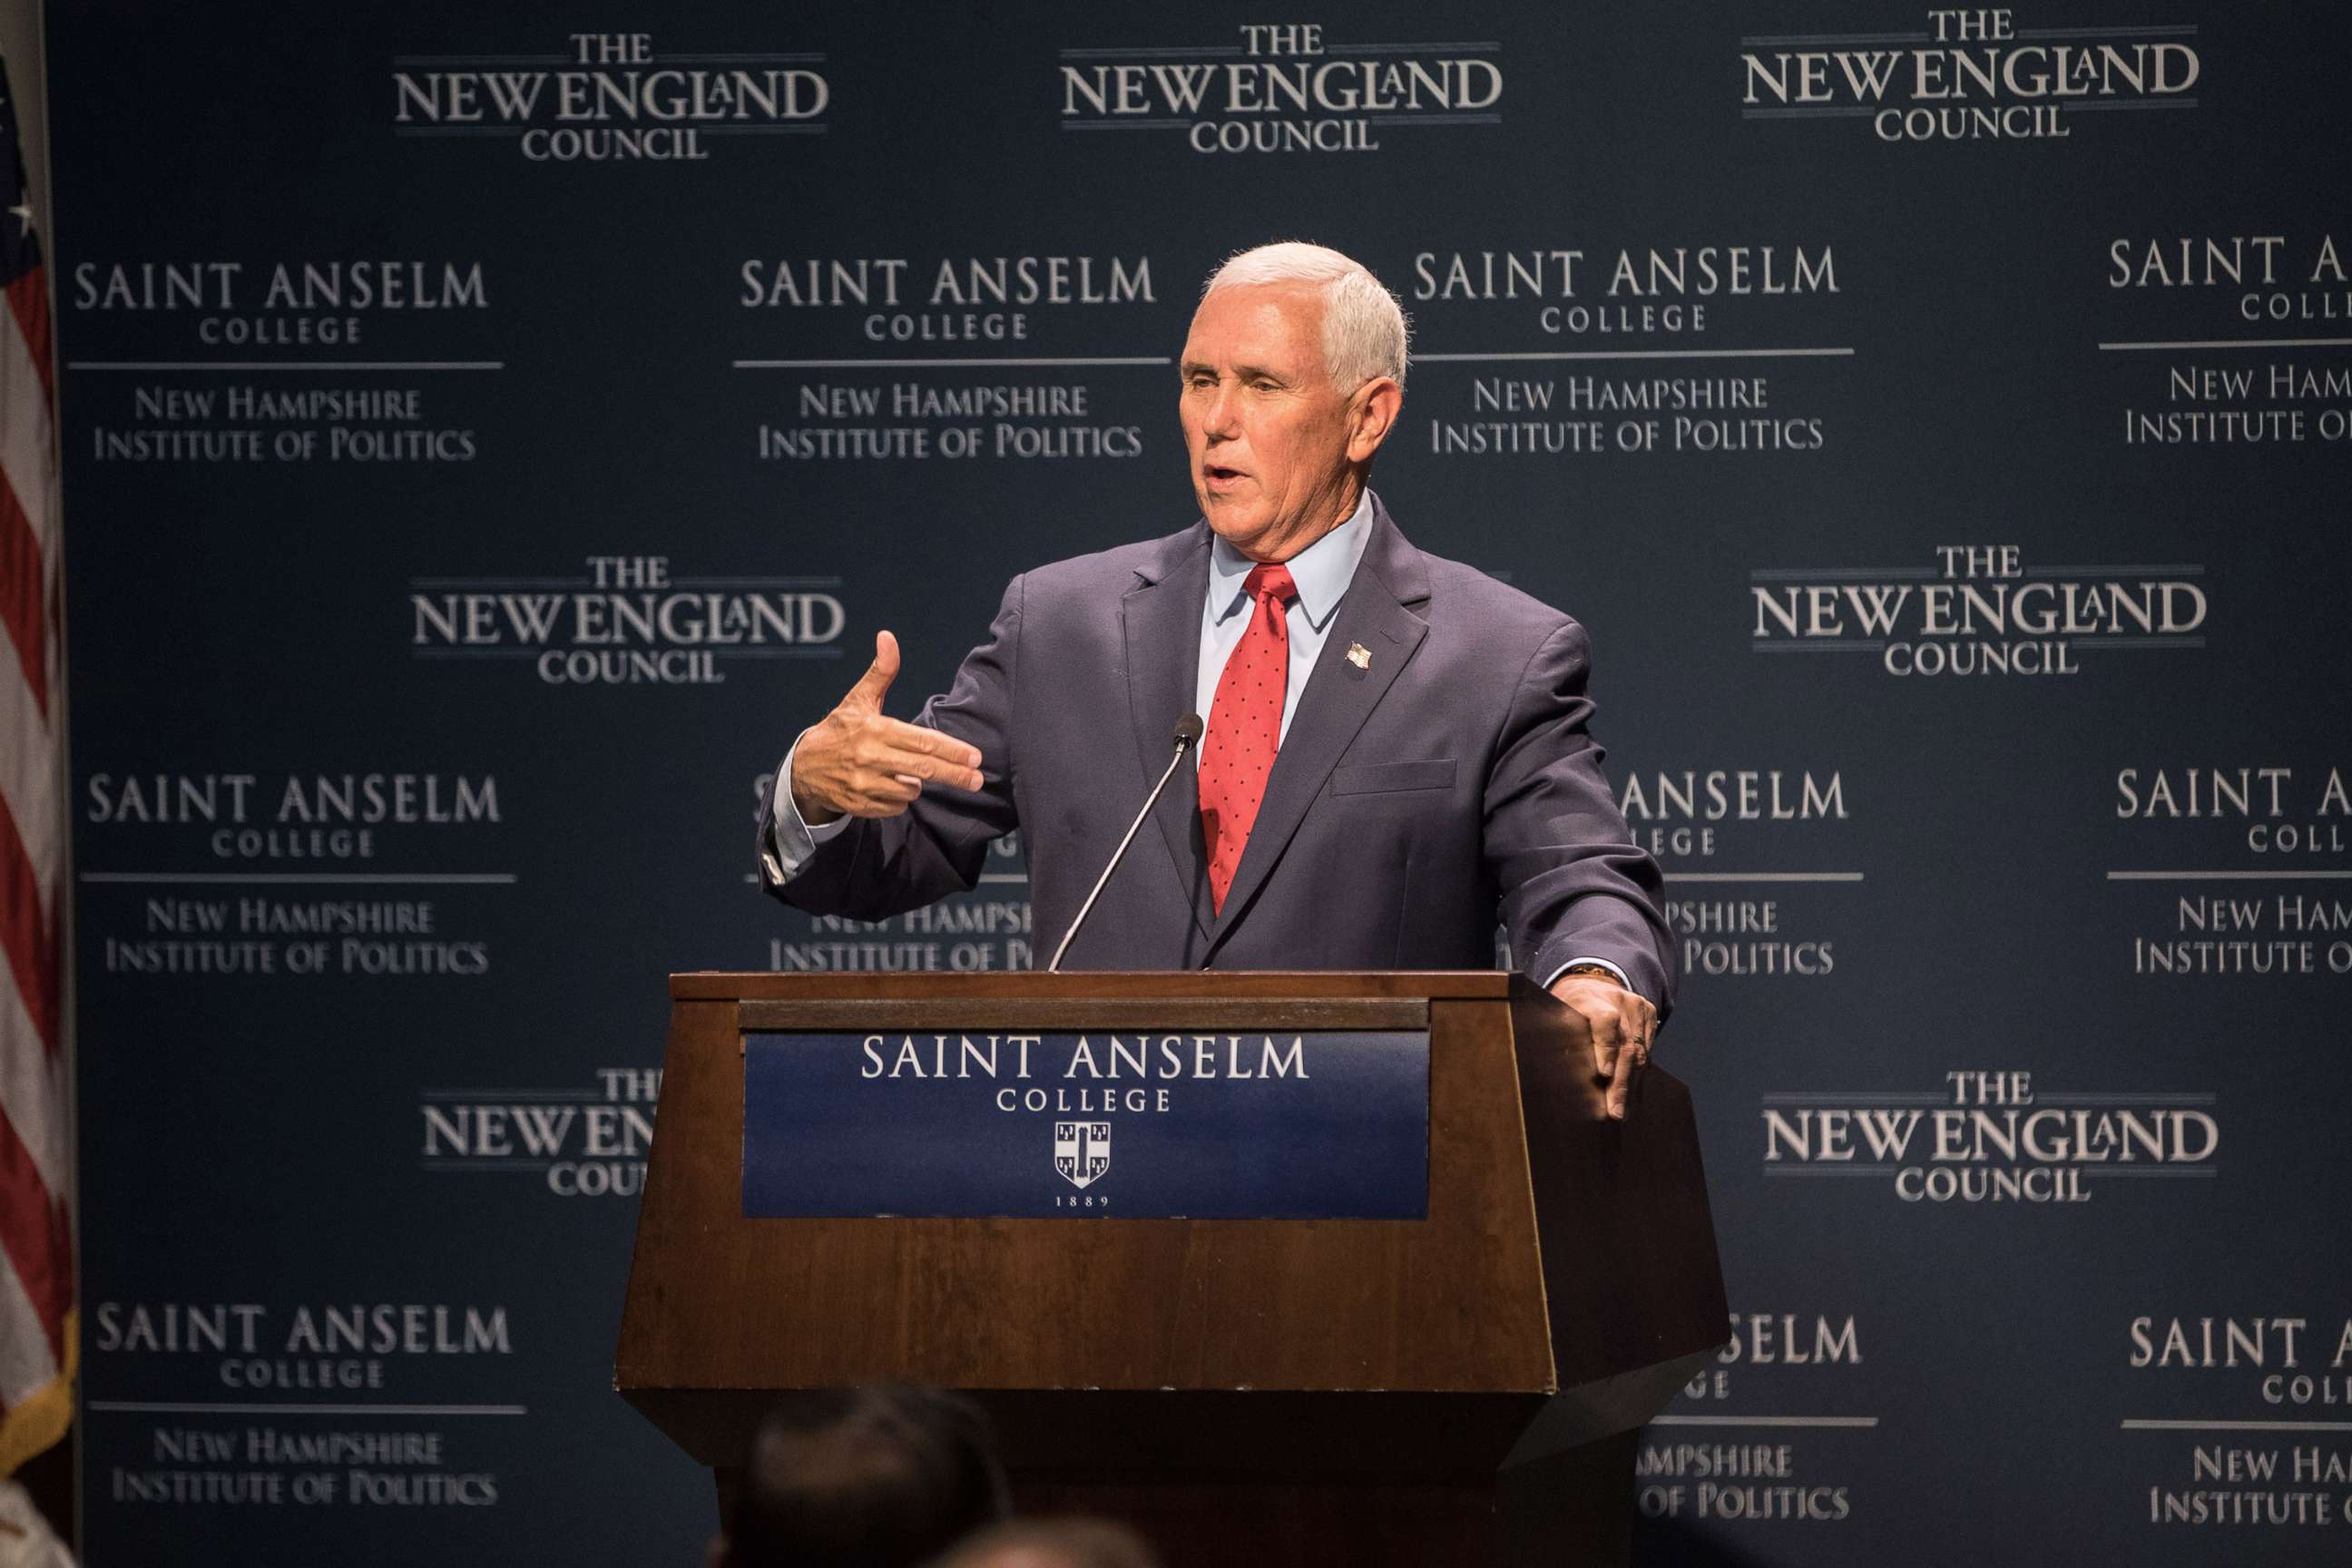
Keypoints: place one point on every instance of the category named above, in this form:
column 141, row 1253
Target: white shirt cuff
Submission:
column 1571, row 963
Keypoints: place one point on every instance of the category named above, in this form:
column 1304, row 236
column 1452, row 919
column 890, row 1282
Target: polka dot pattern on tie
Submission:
column 1245, row 726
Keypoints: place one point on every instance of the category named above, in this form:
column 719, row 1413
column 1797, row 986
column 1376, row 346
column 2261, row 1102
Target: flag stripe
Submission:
column 25, row 449
column 29, row 784
column 32, row 1085
column 28, row 302
column 24, row 598
column 29, row 934
column 39, row 1249
column 27, row 1357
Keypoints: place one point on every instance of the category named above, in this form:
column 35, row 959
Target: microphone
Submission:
column 1187, row 735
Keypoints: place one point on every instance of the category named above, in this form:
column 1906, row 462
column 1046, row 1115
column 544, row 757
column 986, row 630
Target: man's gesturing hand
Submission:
column 1621, row 1024
column 858, row 763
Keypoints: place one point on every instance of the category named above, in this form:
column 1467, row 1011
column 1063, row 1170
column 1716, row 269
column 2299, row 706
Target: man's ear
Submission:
column 1370, row 415
column 716, row 1554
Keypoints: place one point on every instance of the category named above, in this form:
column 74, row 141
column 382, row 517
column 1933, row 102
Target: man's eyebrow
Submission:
column 1192, row 367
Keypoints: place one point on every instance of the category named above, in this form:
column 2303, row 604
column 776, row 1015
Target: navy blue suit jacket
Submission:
column 1449, row 784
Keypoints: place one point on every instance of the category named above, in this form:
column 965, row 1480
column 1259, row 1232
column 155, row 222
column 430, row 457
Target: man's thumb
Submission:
column 872, row 685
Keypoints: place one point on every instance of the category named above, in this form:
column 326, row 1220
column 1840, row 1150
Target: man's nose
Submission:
column 1219, row 421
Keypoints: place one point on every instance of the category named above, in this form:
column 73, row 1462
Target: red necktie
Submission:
column 1245, row 726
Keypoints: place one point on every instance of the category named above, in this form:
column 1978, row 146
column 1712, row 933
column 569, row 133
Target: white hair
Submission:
column 1364, row 328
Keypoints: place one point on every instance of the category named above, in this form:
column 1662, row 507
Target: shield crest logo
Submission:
column 1081, row 1151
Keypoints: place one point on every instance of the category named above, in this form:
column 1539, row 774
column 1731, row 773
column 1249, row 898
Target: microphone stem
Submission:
column 1119, row 853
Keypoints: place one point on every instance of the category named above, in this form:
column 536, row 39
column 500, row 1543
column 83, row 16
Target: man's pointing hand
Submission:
column 857, row 761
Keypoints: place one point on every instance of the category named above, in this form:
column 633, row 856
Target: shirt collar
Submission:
column 1322, row 570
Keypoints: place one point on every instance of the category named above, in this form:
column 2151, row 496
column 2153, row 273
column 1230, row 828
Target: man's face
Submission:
column 1266, row 430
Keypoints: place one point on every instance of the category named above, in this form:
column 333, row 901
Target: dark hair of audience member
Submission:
column 864, row 1477
column 1052, row 1543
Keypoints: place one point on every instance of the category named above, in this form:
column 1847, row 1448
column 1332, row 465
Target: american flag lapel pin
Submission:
column 1360, row 656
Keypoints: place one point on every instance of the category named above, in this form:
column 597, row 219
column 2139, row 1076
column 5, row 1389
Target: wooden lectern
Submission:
column 1464, row 1388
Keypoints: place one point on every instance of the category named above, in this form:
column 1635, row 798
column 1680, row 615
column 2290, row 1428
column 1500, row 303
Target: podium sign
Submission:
column 1133, row 1123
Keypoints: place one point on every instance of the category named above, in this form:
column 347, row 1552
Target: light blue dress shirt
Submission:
column 1322, row 572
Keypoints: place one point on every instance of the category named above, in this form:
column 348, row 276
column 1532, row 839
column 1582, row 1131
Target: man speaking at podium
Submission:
column 1396, row 752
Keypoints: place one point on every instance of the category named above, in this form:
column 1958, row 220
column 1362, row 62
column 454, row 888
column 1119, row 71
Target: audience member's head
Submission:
column 1052, row 1543
column 863, row 1478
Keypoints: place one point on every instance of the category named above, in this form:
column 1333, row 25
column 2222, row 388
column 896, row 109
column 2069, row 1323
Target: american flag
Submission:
column 37, row 1318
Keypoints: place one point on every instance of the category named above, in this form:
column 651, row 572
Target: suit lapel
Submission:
column 1338, row 699
column 1161, row 617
